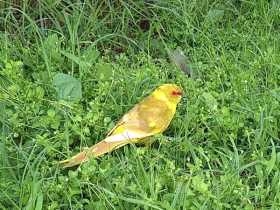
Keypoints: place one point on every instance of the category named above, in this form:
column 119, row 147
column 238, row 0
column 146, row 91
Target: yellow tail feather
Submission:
column 94, row 151
column 75, row 160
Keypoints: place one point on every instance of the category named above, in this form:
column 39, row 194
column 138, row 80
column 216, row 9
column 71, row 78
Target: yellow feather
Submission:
column 151, row 116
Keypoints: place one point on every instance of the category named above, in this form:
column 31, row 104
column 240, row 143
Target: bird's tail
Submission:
column 94, row 151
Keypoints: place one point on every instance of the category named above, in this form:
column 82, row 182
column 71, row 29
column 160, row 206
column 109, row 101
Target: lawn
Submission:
column 70, row 69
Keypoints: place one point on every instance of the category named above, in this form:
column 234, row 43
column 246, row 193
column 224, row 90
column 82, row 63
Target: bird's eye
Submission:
column 176, row 93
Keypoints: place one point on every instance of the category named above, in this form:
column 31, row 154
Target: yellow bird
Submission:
column 149, row 117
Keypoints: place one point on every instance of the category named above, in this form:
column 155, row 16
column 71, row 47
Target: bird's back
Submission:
column 151, row 115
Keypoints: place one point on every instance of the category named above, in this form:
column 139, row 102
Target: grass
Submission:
column 221, row 150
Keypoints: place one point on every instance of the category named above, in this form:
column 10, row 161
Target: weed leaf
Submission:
column 104, row 71
column 67, row 87
column 271, row 163
column 75, row 59
column 215, row 15
column 210, row 101
column 180, row 60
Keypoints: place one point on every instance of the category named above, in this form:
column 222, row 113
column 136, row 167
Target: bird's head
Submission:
column 171, row 92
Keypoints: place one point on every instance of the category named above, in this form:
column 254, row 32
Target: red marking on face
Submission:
column 176, row 93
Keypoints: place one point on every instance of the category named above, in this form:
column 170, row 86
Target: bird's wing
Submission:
column 127, row 135
column 115, row 127
column 145, row 117
column 126, row 119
